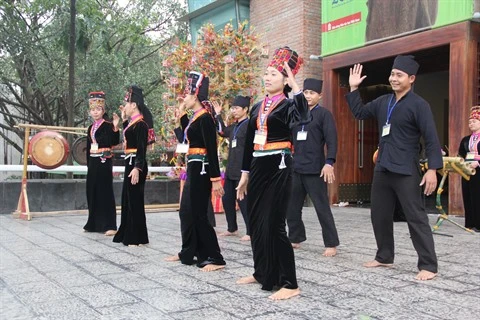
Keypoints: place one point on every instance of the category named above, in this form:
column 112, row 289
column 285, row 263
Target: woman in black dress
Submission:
column 469, row 150
column 199, row 142
column 267, row 170
column 133, row 225
column 101, row 136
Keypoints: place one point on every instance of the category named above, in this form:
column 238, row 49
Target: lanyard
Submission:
column 263, row 116
column 197, row 114
column 303, row 126
column 95, row 127
column 390, row 109
column 237, row 127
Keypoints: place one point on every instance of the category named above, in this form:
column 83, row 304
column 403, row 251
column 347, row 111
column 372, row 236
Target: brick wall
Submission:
column 293, row 23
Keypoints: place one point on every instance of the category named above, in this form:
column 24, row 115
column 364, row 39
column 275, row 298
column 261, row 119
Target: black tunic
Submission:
column 471, row 188
column 397, row 171
column 133, row 225
column 198, row 236
column 269, row 189
column 309, row 155
column 411, row 118
column 237, row 131
column 309, row 159
column 100, row 198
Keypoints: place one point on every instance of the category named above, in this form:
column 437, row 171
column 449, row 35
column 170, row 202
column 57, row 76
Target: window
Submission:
column 233, row 11
column 197, row 4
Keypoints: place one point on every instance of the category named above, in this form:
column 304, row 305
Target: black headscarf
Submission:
column 135, row 94
column 197, row 84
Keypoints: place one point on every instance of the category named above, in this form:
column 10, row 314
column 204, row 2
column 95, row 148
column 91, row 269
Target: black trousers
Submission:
column 133, row 222
column 386, row 188
column 229, row 201
column 316, row 188
column 198, row 236
column 471, row 200
column 269, row 190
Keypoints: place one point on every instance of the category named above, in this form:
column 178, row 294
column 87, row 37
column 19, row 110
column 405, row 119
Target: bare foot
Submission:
column 247, row 280
column 375, row 263
column 284, row 293
column 330, row 252
column 228, row 234
column 245, row 238
column 133, row 245
column 110, row 233
column 172, row 258
column 425, row 275
column 212, row 267
column 295, row 245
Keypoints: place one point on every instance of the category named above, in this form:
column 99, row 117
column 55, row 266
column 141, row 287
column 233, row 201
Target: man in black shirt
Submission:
column 236, row 134
column 312, row 170
column 403, row 118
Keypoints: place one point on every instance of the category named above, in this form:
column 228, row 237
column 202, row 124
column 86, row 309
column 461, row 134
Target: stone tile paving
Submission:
column 49, row 269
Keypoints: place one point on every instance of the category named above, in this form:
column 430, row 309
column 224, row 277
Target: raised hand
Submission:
column 217, row 107
column 355, row 76
column 116, row 120
column 291, row 78
column 122, row 113
column 181, row 106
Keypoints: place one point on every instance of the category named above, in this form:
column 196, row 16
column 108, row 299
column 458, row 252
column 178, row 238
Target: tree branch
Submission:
column 148, row 54
column 11, row 142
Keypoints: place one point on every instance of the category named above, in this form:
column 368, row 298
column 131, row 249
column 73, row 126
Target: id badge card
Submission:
column 234, row 143
column 386, row 130
column 94, row 147
column 182, row 148
column 470, row 156
column 260, row 138
column 301, row 135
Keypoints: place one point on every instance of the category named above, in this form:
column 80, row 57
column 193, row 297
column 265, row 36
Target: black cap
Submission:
column 241, row 101
column 313, row 84
column 406, row 64
column 197, row 84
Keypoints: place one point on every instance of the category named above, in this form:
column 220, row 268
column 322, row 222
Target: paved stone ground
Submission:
column 49, row 269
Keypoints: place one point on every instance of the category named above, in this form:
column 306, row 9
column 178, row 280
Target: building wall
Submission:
column 293, row 23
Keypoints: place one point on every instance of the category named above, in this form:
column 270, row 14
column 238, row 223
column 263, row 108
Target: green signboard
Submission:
column 349, row 24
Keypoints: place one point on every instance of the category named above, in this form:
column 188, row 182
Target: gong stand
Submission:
column 455, row 165
column 23, row 208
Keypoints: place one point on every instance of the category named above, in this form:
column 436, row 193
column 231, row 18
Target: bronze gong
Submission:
column 79, row 151
column 48, row 149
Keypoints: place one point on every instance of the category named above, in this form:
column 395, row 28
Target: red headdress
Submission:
column 285, row 54
column 475, row 113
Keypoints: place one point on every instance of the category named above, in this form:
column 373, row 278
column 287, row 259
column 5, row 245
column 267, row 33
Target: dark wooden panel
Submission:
column 330, row 81
column 463, row 93
column 452, row 48
column 415, row 42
